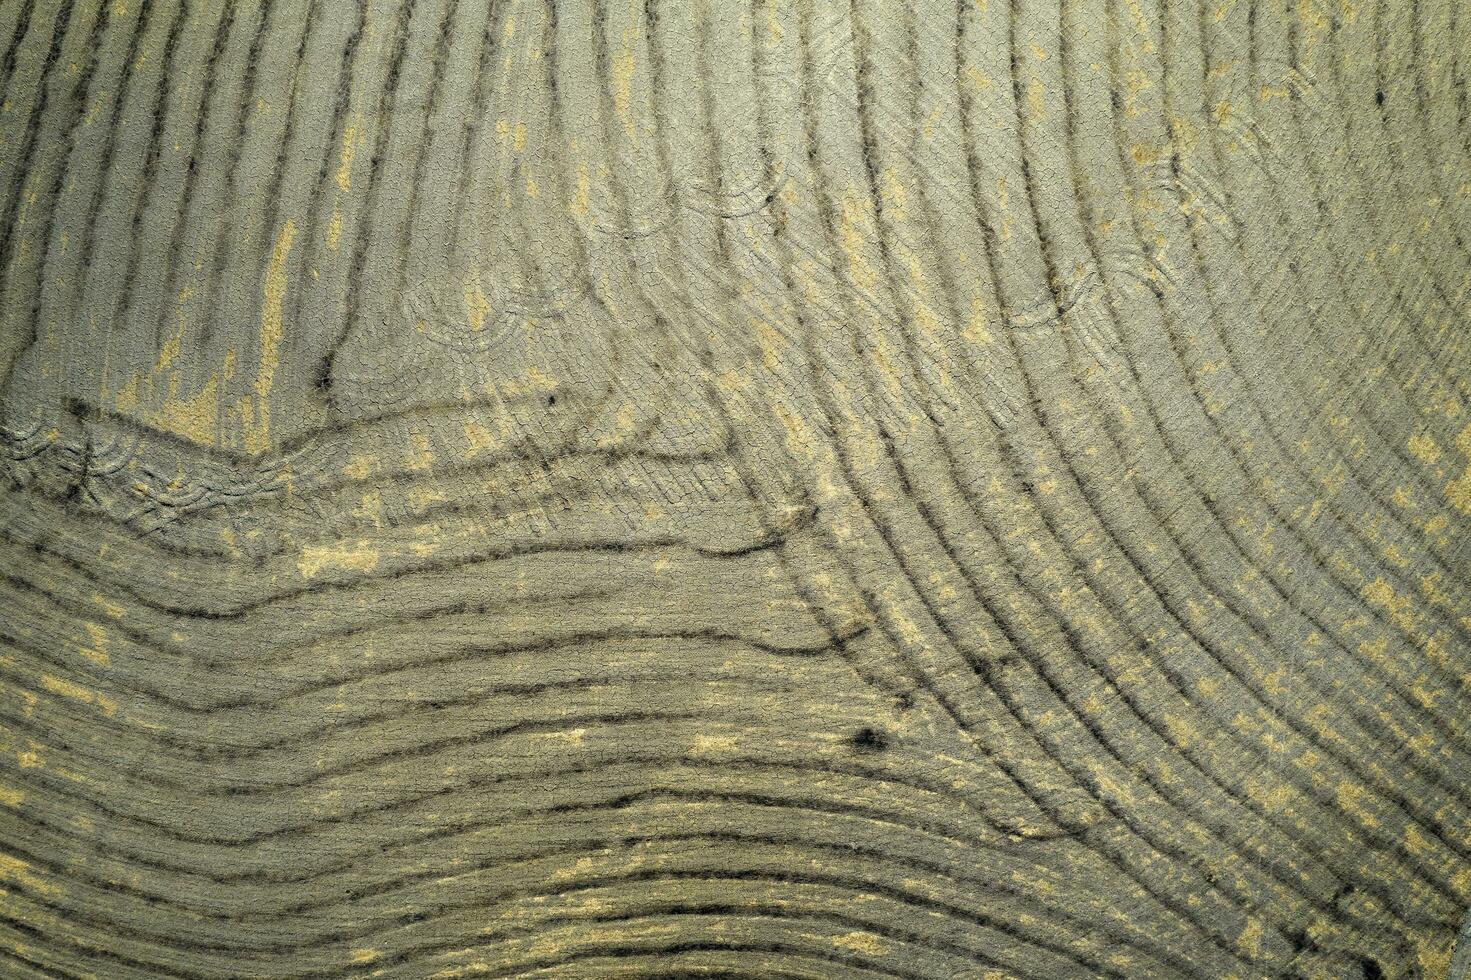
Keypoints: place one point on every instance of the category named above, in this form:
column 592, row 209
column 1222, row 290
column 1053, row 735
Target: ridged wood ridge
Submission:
column 574, row 488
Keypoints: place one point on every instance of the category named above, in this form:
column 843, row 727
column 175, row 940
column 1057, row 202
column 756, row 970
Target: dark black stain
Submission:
column 869, row 740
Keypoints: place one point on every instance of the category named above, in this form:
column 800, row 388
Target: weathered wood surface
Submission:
column 769, row 489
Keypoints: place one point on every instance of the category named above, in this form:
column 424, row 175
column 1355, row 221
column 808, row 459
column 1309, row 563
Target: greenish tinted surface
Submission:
column 767, row 489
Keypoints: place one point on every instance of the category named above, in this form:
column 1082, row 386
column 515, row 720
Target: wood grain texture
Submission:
column 770, row 488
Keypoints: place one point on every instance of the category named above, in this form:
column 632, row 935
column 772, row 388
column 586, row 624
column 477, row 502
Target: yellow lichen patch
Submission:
column 480, row 438
column 17, row 871
column 769, row 340
column 1434, row 954
column 477, row 306
column 425, row 497
column 170, row 348
column 711, row 744
column 625, row 424
column 66, row 689
column 364, row 955
column 856, row 232
column 775, row 34
column 1310, row 14
column 193, row 417
column 273, row 297
column 895, row 197
column 623, row 68
column 370, row 508
column 11, row 797
column 1423, row 448
column 160, row 405
column 1144, row 154
column 801, row 444
column 359, row 467
column 1380, row 594
column 1275, row 796
column 1430, row 588
column 975, row 327
column 861, row 942
column 1415, row 841
column 1036, row 99
column 423, row 456
column 97, row 652
column 112, row 609
column 1436, row 524
column 582, row 198
column 1003, row 205
column 1352, row 799
column 1249, row 941
column 334, row 228
column 1458, row 491
column 349, row 150
column 358, row 556
column 1136, row 83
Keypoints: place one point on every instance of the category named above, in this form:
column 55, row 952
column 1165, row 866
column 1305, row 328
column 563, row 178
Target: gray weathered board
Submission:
column 766, row 488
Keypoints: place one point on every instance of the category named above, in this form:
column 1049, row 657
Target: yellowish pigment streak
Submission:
column 274, row 293
column 623, row 69
column 358, row 556
column 1458, row 491
column 349, row 149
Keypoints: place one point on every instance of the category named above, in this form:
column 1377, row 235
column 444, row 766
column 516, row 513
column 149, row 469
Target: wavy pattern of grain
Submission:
column 818, row 488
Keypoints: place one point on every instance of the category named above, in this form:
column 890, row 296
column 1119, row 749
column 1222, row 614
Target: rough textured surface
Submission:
column 773, row 488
